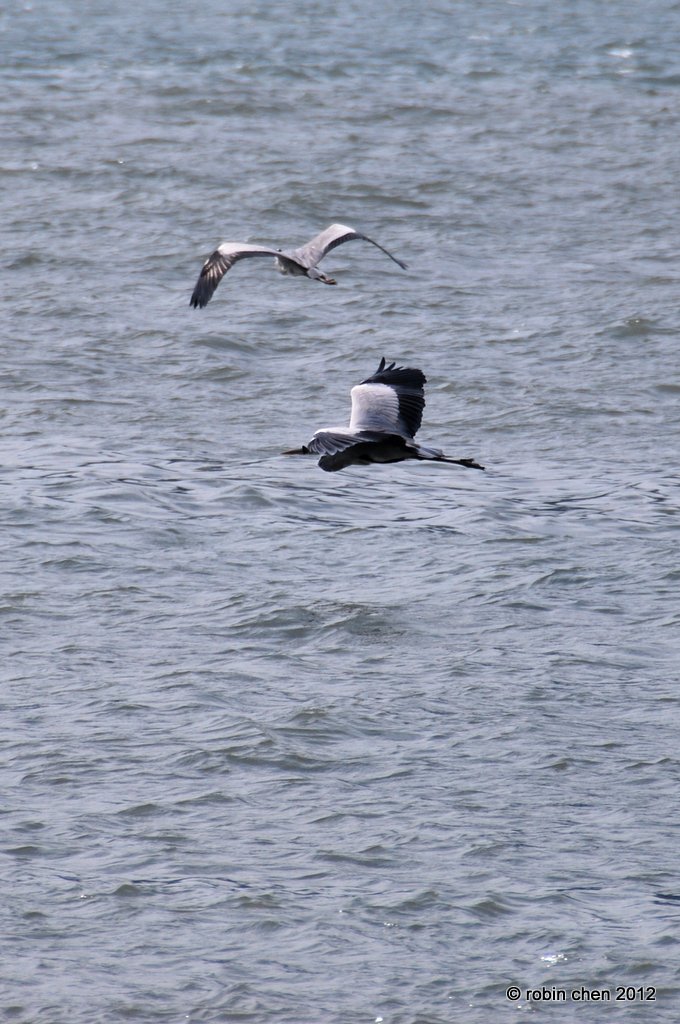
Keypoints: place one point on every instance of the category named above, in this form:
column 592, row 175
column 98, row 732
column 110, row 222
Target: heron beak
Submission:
column 297, row 451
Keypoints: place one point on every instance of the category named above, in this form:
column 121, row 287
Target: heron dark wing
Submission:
column 217, row 265
column 339, row 450
column 315, row 250
column 391, row 374
column 407, row 382
column 341, row 460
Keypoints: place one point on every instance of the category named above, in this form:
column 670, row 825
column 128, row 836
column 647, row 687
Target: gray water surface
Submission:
column 285, row 746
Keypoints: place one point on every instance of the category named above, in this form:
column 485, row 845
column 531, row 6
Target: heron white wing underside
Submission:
column 388, row 407
column 407, row 383
column 375, row 407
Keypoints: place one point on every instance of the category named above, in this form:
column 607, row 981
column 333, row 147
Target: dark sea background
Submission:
column 286, row 747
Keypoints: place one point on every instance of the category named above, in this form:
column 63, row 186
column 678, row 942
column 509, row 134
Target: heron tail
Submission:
column 316, row 275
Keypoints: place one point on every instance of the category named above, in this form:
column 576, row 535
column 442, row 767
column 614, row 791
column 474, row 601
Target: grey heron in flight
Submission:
column 300, row 262
column 387, row 410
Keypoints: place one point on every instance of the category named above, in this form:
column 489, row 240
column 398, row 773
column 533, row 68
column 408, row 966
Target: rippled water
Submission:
column 286, row 746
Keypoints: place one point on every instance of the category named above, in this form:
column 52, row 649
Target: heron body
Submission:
column 289, row 268
column 300, row 262
column 387, row 410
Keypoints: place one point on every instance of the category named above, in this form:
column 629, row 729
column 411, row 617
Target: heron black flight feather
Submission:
column 408, row 383
column 387, row 410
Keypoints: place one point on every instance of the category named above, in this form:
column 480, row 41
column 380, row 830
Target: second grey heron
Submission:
column 387, row 410
column 301, row 262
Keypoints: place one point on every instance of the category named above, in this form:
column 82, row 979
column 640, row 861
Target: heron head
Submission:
column 297, row 451
column 317, row 275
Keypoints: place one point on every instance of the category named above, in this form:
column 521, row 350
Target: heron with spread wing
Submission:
column 387, row 410
column 301, row 262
